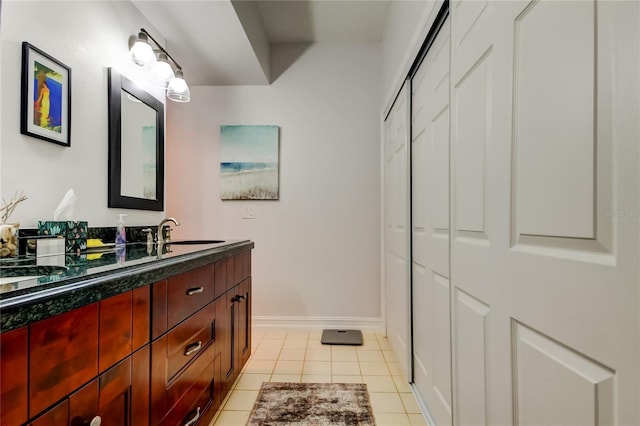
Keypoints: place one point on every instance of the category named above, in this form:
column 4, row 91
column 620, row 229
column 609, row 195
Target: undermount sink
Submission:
column 186, row 242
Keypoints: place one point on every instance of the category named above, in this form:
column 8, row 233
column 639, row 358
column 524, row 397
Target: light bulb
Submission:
column 141, row 52
column 162, row 72
column 178, row 89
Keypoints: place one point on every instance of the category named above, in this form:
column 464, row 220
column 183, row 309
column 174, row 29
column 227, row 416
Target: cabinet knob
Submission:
column 194, row 419
column 96, row 421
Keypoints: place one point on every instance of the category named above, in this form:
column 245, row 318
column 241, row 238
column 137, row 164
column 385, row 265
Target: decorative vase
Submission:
column 9, row 240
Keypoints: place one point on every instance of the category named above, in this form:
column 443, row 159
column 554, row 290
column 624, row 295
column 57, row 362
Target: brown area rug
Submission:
column 312, row 404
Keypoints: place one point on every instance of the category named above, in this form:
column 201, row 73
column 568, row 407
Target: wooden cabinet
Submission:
column 201, row 340
column 81, row 364
column 163, row 354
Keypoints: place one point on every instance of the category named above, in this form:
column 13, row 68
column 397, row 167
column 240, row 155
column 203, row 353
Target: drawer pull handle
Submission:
column 193, row 348
column 194, row 419
column 195, row 290
column 96, row 421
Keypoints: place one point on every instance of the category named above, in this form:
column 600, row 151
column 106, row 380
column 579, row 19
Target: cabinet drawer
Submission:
column 195, row 402
column 167, row 394
column 187, row 340
column 188, row 292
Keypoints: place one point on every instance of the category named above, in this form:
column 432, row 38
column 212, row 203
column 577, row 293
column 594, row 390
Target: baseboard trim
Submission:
column 313, row 323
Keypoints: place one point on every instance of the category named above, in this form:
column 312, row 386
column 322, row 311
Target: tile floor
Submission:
column 298, row 356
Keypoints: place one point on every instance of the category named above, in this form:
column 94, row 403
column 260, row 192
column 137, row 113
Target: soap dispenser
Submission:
column 121, row 232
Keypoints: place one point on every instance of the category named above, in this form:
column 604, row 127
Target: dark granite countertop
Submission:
column 94, row 276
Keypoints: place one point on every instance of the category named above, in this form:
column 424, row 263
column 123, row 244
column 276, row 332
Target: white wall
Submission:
column 317, row 248
column 88, row 37
column 406, row 28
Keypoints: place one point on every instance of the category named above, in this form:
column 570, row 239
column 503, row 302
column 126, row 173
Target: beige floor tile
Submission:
column 241, row 400
column 318, row 355
column 370, row 356
column 342, row 348
column 259, row 366
column 275, row 334
column 346, row 379
column 369, row 345
column 295, row 356
column 316, row 344
column 266, row 353
column 251, row 381
column 316, row 378
column 344, row 356
column 291, row 378
column 271, row 344
column 389, row 356
column 295, row 344
column 402, row 384
column 288, row 367
column 391, row 419
column 394, row 368
column 379, row 383
column 231, row 418
column 417, row 420
column 374, row 368
column 410, row 404
column 385, row 402
column 317, row 367
column 345, row 368
column 384, row 343
column 315, row 334
column 292, row 354
column 298, row 335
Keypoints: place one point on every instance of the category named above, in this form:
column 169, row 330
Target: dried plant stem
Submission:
column 8, row 207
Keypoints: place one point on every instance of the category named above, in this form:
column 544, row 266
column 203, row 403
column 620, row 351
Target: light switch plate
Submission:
column 249, row 212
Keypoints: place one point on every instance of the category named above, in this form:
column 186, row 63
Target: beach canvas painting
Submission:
column 249, row 164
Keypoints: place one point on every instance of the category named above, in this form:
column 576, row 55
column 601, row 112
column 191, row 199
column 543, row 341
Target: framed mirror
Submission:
column 136, row 146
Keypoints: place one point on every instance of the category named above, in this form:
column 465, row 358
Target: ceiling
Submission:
column 228, row 42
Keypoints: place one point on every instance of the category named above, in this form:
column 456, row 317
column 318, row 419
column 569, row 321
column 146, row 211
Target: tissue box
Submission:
column 74, row 232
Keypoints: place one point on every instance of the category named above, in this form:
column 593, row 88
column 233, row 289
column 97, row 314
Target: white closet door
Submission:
column 396, row 229
column 544, row 213
column 430, row 229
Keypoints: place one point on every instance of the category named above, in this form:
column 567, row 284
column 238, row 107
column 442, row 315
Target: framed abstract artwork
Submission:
column 45, row 102
column 249, row 162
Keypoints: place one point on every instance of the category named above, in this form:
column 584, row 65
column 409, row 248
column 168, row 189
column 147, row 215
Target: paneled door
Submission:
column 430, row 229
column 396, row 220
column 544, row 212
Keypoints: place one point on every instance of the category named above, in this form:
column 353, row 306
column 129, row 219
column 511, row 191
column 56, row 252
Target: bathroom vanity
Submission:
column 154, row 336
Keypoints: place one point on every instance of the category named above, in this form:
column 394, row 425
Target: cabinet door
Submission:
column 242, row 323
column 13, row 376
column 63, row 355
column 110, row 398
column 224, row 337
column 115, row 329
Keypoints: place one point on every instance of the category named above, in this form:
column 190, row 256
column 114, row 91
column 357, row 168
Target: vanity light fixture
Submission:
column 161, row 68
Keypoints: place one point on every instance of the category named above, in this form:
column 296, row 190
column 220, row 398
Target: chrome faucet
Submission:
column 161, row 236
